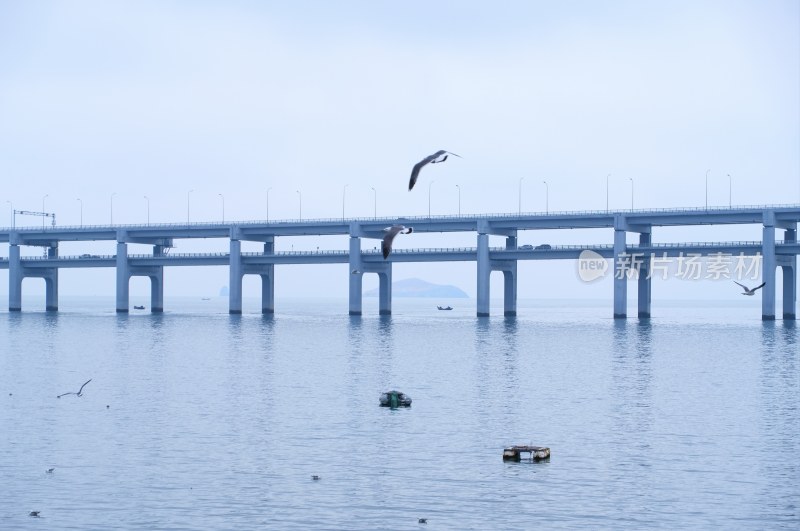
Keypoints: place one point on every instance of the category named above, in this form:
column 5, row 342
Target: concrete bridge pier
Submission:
column 620, row 275
column 769, row 265
column 789, row 269
column 51, row 283
column 235, row 279
column 484, row 273
column 15, row 277
column 385, row 290
column 355, row 273
column 268, row 280
column 123, row 278
column 643, row 270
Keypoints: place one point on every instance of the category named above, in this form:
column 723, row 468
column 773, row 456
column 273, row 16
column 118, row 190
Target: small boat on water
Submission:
column 138, row 307
column 395, row 399
column 445, row 307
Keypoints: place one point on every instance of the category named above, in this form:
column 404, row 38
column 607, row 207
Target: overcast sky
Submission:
column 109, row 102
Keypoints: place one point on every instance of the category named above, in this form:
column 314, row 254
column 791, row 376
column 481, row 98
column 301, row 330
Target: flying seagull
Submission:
column 432, row 159
column 750, row 292
column 391, row 232
column 79, row 390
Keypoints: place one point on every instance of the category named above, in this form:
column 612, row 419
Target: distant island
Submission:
column 414, row 287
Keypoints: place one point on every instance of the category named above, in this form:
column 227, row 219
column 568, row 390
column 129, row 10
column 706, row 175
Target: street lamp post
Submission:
column 11, row 206
column 344, row 190
column 459, row 200
column 607, row 176
column 707, row 188
column 43, row 211
column 374, row 203
column 300, row 199
column 81, row 202
column 223, row 206
column 148, row 209
column 631, row 180
column 111, row 202
column 268, row 189
column 429, row 198
column 188, row 206
column 546, row 198
column 730, row 187
column 520, row 195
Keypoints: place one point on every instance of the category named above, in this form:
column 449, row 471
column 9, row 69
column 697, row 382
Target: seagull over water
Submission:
column 748, row 291
column 391, row 232
column 430, row 159
column 80, row 391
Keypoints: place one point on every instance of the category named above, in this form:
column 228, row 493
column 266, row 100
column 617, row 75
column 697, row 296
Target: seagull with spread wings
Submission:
column 750, row 292
column 80, row 391
column 391, row 232
column 430, row 159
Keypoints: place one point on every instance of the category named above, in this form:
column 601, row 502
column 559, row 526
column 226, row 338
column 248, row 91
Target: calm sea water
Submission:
column 196, row 419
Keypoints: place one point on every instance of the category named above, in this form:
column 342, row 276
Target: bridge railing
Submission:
column 419, row 250
column 393, row 219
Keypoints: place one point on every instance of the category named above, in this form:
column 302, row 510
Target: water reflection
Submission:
column 631, row 399
column 780, row 398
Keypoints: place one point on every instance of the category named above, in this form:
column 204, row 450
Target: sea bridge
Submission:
column 638, row 258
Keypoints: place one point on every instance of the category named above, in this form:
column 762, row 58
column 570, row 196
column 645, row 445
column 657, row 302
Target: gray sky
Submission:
column 156, row 98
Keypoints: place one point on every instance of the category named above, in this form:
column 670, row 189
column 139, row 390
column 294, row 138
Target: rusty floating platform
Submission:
column 537, row 453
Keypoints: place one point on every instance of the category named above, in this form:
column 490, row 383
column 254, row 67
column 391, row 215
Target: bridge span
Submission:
column 630, row 261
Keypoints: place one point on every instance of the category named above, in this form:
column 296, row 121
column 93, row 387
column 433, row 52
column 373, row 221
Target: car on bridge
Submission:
column 543, row 247
column 525, row 247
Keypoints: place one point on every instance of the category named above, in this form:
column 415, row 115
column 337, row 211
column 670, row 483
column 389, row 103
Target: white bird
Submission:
column 430, row 159
column 391, row 232
column 750, row 292
column 79, row 390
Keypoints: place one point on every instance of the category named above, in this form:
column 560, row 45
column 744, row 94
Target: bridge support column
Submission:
column 51, row 283
column 157, row 284
column 769, row 267
column 355, row 274
column 790, row 279
column 123, row 278
column 484, row 274
column 510, row 290
column 15, row 277
column 510, row 280
column 620, row 276
column 235, row 279
column 268, row 280
column 644, row 294
column 385, row 290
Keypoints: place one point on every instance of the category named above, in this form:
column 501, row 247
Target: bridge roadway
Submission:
column 774, row 252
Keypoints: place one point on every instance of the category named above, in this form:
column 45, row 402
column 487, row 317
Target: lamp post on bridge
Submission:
column 429, row 198
column 459, row 200
column 78, row 199
column 607, row 176
column 300, row 199
column 730, row 187
column 546, row 198
column 268, row 189
column 111, row 202
column 631, row 180
column 519, row 195
column 707, row 188
column 374, row 203
column 344, row 190
column 43, row 211
column 223, row 206
column 188, row 206
column 11, row 206
column 148, row 209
